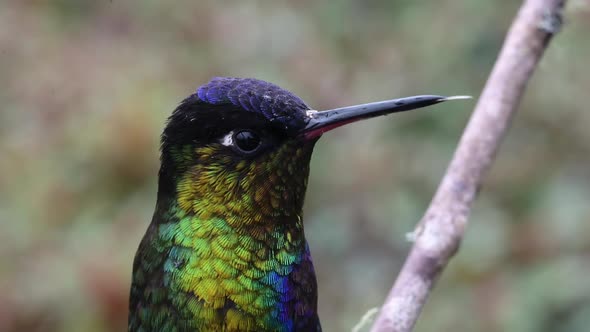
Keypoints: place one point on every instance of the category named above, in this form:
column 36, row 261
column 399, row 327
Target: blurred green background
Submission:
column 85, row 88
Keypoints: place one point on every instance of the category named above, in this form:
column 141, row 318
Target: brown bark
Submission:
column 439, row 233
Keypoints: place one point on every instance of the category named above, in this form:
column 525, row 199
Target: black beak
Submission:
column 323, row 121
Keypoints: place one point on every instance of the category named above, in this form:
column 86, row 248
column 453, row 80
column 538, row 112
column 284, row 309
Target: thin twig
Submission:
column 365, row 320
column 439, row 233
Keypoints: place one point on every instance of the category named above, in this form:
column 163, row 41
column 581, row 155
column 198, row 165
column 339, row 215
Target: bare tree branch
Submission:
column 439, row 233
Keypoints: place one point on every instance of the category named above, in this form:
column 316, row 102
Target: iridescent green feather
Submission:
column 227, row 252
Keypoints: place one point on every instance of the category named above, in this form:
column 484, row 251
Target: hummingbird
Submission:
column 226, row 249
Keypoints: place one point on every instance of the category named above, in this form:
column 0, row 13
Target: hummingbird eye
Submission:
column 247, row 141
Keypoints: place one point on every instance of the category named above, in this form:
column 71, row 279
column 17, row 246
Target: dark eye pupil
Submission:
column 247, row 140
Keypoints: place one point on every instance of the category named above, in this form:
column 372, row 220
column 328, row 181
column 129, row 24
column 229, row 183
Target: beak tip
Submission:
column 456, row 98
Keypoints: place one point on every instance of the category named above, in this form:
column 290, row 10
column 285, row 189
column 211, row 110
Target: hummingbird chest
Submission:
column 217, row 279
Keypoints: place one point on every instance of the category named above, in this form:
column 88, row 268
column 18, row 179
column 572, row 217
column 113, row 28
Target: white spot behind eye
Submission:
column 228, row 140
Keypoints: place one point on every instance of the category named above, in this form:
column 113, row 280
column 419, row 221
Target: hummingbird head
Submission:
column 232, row 149
column 241, row 147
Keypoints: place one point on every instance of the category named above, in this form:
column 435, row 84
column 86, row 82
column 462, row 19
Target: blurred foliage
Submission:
column 86, row 86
